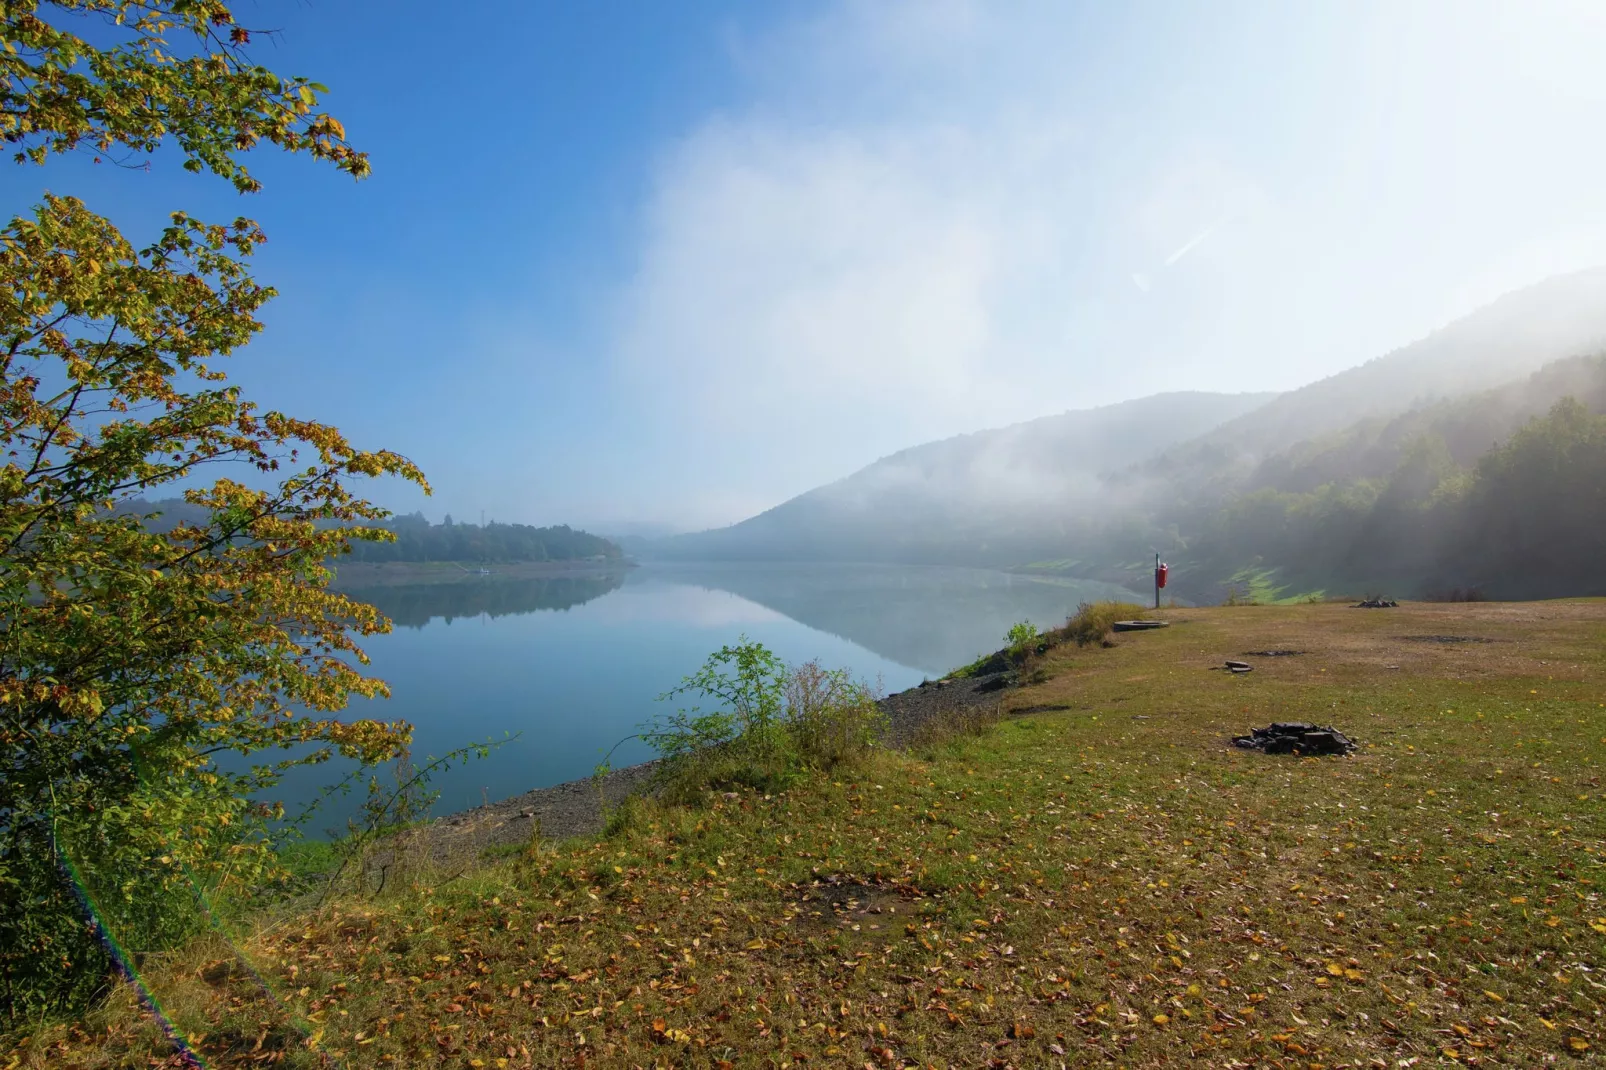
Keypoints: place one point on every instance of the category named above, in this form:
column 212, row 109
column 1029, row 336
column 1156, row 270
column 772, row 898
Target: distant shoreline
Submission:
column 395, row 573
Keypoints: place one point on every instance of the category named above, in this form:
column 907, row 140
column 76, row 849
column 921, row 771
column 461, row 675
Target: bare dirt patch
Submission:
column 840, row 901
column 1042, row 707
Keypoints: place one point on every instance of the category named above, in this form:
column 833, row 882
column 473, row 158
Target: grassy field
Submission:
column 1096, row 880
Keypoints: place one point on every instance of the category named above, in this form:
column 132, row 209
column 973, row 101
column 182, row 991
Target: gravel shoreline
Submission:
column 576, row 808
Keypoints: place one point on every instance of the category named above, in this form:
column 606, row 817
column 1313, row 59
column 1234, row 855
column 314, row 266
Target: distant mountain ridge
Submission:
column 1034, row 490
column 1510, row 338
column 977, row 497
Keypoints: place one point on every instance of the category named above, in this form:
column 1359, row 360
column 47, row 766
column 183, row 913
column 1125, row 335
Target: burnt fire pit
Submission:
column 1296, row 737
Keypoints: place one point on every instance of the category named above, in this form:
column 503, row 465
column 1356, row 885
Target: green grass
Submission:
column 1104, row 879
column 305, row 859
column 1259, row 586
column 1057, row 566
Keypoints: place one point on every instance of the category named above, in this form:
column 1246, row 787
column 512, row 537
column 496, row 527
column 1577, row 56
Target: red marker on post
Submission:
column 1161, row 573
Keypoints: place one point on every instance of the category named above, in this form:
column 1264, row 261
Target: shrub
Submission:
column 1020, row 636
column 771, row 724
column 749, row 683
column 1020, row 644
column 1093, row 621
column 832, row 718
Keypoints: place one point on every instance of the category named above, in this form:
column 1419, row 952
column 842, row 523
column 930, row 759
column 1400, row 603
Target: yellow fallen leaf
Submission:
column 1497, row 997
column 1161, row 1019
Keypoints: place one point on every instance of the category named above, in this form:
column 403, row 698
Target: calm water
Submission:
column 573, row 664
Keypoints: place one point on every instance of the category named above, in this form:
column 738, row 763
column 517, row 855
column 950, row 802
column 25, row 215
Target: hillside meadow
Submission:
column 1094, row 879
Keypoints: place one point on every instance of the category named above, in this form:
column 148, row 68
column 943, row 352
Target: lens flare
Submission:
column 122, row 960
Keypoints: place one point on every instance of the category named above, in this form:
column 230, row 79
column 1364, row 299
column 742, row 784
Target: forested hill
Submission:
column 419, row 540
column 1503, row 341
column 1500, row 494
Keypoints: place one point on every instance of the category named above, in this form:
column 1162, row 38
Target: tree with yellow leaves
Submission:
column 131, row 658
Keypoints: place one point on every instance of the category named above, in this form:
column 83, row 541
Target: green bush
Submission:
column 1021, row 635
column 748, row 682
column 1019, row 642
column 771, row 724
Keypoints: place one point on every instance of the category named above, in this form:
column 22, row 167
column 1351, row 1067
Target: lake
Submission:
column 573, row 664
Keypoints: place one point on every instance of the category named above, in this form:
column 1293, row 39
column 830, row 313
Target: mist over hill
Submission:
column 987, row 497
column 1499, row 494
column 1468, row 427
column 1357, row 478
column 1505, row 340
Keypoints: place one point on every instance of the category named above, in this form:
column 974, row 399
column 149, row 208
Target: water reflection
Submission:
column 571, row 682
column 413, row 605
column 574, row 663
column 934, row 618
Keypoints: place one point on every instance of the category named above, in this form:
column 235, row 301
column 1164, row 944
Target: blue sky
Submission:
column 675, row 263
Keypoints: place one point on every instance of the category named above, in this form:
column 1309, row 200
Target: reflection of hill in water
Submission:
column 416, row 604
column 930, row 618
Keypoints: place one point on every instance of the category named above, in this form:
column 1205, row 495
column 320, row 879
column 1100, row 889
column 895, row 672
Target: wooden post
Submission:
column 1157, row 579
